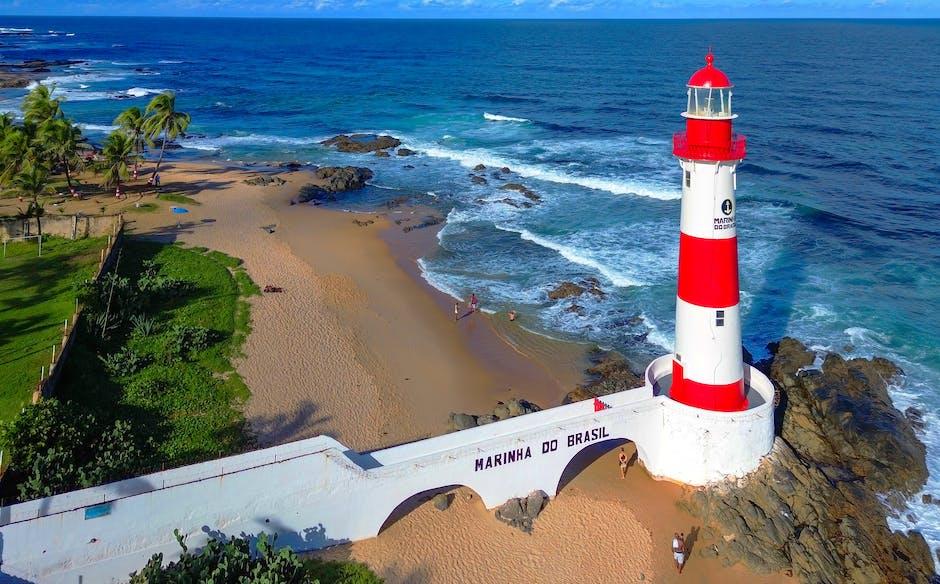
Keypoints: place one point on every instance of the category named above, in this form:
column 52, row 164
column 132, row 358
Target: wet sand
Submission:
column 359, row 347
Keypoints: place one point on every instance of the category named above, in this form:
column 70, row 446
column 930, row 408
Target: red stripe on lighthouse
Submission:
column 708, row 271
column 730, row 397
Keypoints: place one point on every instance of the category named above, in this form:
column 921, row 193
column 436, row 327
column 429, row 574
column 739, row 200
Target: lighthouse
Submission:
column 707, row 366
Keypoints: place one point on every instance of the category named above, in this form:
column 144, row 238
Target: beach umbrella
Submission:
column 179, row 211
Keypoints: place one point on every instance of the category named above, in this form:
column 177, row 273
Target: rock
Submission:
column 291, row 165
column 505, row 170
column 462, row 421
column 479, row 167
column 576, row 309
column 441, row 501
column 10, row 81
column 406, row 152
column 495, row 174
column 817, row 503
column 408, row 167
column 477, row 180
column 610, row 373
column 565, row 290
column 361, row 143
column 523, row 190
column 361, row 223
column 486, row 419
column 429, row 221
column 381, row 153
column 521, row 513
column 263, row 181
column 915, row 417
column 332, row 180
column 501, row 411
column 520, row 407
column 157, row 142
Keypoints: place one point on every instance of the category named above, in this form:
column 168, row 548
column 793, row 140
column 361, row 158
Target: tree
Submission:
column 164, row 119
column 118, row 151
column 131, row 121
column 16, row 152
column 39, row 106
column 59, row 141
column 32, row 181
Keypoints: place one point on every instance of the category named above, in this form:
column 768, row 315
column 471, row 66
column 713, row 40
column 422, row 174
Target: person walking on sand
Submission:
column 623, row 464
column 678, row 550
column 473, row 302
column 456, row 311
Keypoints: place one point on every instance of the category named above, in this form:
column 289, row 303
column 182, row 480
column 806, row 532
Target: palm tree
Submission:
column 16, row 152
column 39, row 105
column 32, row 181
column 59, row 140
column 164, row 119
column 118, row 151
column 131, row 122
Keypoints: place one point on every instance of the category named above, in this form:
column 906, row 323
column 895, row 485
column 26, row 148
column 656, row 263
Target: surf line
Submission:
column 525, row 452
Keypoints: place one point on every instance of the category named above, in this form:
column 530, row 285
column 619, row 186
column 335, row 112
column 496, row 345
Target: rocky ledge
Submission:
column 570, row 289
column 330, row 180
column 503, row 411
column 522, row 512
column 362, row 143
column 817, row 506
column 609, row 373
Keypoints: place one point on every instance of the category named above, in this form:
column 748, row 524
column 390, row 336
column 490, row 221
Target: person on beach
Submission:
column 623, row 463
column 473, row 302
column 512, row 315
column 678, row 550
column 456, row 311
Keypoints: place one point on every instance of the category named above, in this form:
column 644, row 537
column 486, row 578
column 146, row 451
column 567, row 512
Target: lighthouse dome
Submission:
column 709, row 75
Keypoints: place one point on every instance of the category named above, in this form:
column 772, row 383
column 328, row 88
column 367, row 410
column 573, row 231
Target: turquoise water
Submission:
column 838, row 198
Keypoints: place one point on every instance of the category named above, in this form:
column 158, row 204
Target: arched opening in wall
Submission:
column 587, row 456
column 416, row 500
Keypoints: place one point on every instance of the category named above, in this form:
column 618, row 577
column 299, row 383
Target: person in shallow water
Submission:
column 512, row 315
column 474, row 302
column 623, row 464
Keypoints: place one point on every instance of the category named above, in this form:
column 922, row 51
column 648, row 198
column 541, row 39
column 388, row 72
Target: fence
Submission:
column 68, row 226
column 48, row 377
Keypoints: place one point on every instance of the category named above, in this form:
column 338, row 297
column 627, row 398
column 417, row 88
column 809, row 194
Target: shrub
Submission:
column 330, row 572
column 123, row 363
column 184, row 340
column 57, row 447
column 143, row 326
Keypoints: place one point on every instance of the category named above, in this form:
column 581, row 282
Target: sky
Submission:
column 482, row 8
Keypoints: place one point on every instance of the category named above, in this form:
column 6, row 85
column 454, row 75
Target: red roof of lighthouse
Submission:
column 709, row 75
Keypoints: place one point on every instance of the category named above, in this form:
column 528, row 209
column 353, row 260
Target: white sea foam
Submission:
column 656, row 336
column 168, row 62
column 143, row 91
column 70, row 34
column 470, row 158
column 437, row 282
column 217, row 143
column 575, row 256
column 97, row 127
column 11, row 30
column 499, row 118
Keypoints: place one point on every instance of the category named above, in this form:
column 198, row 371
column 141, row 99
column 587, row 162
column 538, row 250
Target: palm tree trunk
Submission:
column 68, row 176
column 160, row 160
column 38, row 217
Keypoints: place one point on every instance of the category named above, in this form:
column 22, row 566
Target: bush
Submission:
column 184, row 340
column 58, row 447
column 329, row 572
column 123, row 363
column 143, row 326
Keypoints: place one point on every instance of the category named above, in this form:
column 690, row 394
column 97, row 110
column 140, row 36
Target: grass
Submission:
column 143, row 208
column 189, row 407
column 37, row 294
column 178, row 198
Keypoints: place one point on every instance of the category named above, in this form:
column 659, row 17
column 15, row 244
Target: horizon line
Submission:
column 473, row 18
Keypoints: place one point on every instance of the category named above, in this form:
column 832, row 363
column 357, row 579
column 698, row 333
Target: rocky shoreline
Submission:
column 817, row 507
column 20, row 75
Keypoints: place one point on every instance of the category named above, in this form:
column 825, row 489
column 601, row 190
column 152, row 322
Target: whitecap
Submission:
column 168, row 62
column 499, row 118
column 575, row 256
column 217, row 143
column 470, row 158
column 143, row 91
column 437, row 282
column 97, row 127
column 656, row 336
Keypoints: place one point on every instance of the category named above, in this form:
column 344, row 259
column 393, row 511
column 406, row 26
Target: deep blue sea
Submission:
column 838, row 198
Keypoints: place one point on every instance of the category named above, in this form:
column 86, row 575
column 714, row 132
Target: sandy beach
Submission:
column 358, row 347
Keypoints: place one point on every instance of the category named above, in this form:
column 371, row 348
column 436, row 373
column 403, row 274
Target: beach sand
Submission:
column 360, row 348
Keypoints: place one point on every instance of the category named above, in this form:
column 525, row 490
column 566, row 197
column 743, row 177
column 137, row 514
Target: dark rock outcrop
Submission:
column 521, row 513
column 817, row 504
column 609, row 373
column 332, row 180
column 362, row 143
column 477, row 180
column 429, row 221
column 523, row 190
column 479, row 167
column 442, row 501
column 572, row 290
column 406, row 152
column 503, row 411
column 381, row 153
column 263, row 181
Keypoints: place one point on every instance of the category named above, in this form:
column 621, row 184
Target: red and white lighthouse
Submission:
column 707, row 367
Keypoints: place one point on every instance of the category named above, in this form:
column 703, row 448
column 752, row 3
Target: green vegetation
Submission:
column 151, row 370
column 37, row 294
column 144, row 208
column 234, row 562
column 162, row 118
column 178, row 198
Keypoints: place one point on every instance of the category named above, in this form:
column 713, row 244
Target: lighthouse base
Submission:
column 699, row 446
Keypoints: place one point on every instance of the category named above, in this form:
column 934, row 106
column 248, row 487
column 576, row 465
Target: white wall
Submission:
column 315, row 493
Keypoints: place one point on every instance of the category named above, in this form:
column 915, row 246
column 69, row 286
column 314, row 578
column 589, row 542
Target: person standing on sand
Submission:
column 678, row 550
column 473, row 302
column 623, row 464
column 456, row 311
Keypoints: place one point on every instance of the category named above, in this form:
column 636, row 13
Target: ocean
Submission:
column 838, row 197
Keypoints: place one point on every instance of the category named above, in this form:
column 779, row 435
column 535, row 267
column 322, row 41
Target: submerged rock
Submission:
column 332, row 180
column 406, row 152
column 477, row 180
column 479, row 167
column 565, row 290
column 361, row 143
column 523, row 190
column 816, row 505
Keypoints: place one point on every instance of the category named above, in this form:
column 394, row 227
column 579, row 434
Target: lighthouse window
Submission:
column 688, row 178
column 719, row 318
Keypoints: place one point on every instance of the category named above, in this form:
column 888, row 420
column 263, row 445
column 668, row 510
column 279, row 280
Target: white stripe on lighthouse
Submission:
column 708, row 342
column 706, row 186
